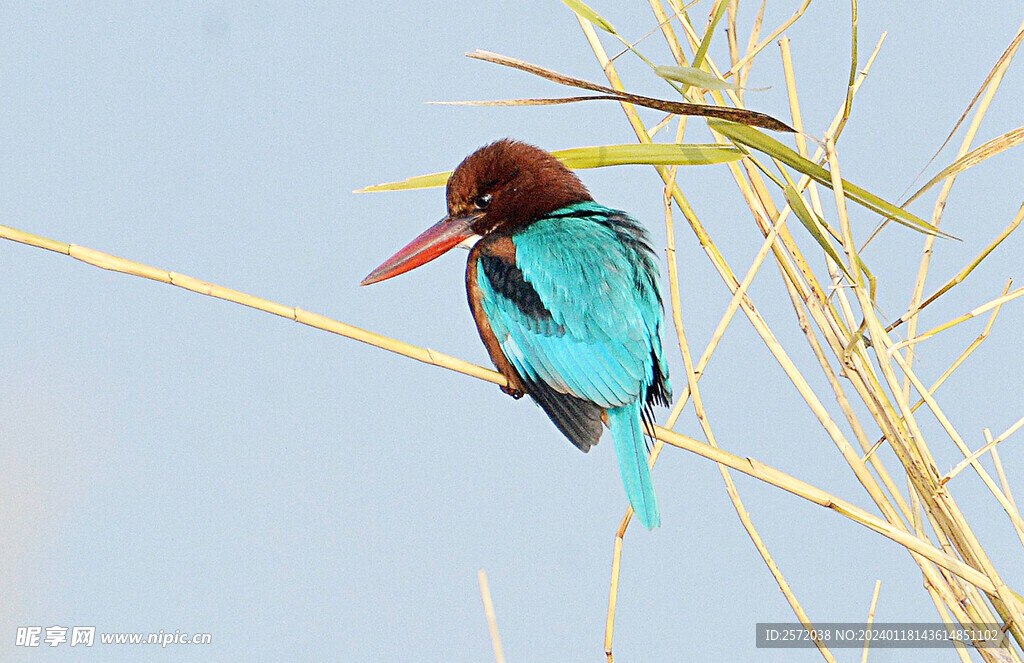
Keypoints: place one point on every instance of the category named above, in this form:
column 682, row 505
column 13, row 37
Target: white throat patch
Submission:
column 470, row 242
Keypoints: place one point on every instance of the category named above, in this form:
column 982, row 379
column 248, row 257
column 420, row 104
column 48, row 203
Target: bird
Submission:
column 566, row 297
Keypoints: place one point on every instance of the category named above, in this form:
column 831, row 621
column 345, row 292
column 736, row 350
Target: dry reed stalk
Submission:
column 961, row 358
column 748, row 466
column 692, row 377
column 885, row 398
column 492, row 620
column 763, row 206
column 753, row 52
column 1007, row 53
column 871, row 620
column 990, row 444
column 960, row 276
column 939, row 502
column 990, row 88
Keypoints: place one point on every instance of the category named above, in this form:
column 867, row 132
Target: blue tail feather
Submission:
column 631, row 448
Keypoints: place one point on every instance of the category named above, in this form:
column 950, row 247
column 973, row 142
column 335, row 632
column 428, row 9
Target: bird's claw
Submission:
column 513, row 392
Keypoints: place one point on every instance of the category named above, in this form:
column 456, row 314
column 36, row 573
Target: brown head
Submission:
column 500, row 187
column 512, row 184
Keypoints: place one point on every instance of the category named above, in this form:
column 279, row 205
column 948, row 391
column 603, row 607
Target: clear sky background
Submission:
column 170, row 461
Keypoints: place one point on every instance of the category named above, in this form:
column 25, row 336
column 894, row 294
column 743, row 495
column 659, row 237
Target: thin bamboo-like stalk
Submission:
column 702, row 417
column 870, row 621
column 941, row 504
column 492, row 620
column 957, row 363
column 991, row 86
column 1007, row 53
column 730, row 33
column 970, row 459
column 613, row 591
column 116, row 264
column 990, row 443
column 747, row 466
column 752, row 53
column 988, row 306
column 997, row 461
column 730, row 485
column 743, row 74
column 887, row 414
column 966, row 271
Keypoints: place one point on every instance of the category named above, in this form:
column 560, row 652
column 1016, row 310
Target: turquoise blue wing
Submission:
column 579, row 315
column 586, row 318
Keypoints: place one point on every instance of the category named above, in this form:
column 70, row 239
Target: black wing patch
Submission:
column 507, row 281
column 579, row 420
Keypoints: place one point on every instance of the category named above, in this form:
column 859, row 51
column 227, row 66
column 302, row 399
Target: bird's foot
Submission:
column 514, row 392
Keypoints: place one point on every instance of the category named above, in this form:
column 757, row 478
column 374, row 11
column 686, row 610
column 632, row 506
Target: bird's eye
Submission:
column 482, row 202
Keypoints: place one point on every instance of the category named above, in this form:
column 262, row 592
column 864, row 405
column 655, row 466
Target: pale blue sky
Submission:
column 169, row 461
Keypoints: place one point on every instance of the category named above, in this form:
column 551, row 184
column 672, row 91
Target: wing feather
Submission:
column 596, row 334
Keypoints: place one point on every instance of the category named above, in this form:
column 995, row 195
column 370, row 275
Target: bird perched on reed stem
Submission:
column 565, row 294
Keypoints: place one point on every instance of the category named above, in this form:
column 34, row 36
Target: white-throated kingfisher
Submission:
column 565, row 294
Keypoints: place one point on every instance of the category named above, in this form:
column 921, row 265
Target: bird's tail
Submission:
column 631, row 448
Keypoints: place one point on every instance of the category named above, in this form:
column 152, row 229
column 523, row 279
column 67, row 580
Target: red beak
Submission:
column 436, row 240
